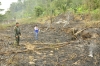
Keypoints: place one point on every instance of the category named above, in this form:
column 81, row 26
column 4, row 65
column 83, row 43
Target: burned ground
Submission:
column 56, row 46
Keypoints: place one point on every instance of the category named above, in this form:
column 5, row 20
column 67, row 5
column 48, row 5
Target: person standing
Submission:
column 36, row 30
column 17, row 33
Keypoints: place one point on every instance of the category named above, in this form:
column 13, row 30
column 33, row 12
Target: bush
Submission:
column 38, row 11
column 96, row 14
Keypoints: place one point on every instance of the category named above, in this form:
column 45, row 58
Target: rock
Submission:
column 77, row 62
column 1, row 40
column 31, row 63
column 86, row 36
column 95, row 35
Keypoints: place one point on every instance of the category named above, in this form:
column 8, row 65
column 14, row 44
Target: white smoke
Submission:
column 92, row 47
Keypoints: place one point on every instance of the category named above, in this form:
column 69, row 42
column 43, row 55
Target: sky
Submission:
column 5, row 4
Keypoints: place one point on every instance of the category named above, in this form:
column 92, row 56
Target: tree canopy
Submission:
column 37, row 8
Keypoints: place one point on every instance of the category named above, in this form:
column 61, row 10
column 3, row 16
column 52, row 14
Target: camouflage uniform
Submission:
column 17, row 34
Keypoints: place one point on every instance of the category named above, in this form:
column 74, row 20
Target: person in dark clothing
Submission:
column 17, row 33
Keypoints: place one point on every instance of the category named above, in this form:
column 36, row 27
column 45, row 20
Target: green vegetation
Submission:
column 42, row 8
column 4, row 26
column 2, row 17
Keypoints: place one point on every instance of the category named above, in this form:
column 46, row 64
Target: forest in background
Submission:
column 41, row 8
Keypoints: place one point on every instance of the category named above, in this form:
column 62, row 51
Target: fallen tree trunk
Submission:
column 12, row 52
column 77, row 33
column 48, row 45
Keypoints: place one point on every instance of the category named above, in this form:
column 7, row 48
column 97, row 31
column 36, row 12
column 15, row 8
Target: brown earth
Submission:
column 56, row 46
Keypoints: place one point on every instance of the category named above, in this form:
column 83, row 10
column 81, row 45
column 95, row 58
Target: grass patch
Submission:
column 4, row 26
column 96, row 14
column 41, row 19
column 92, row 24
column 23, row 21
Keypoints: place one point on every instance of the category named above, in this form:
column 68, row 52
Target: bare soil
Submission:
column 56, row 46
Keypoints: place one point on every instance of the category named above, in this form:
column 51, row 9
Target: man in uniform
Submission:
column 17, row 33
